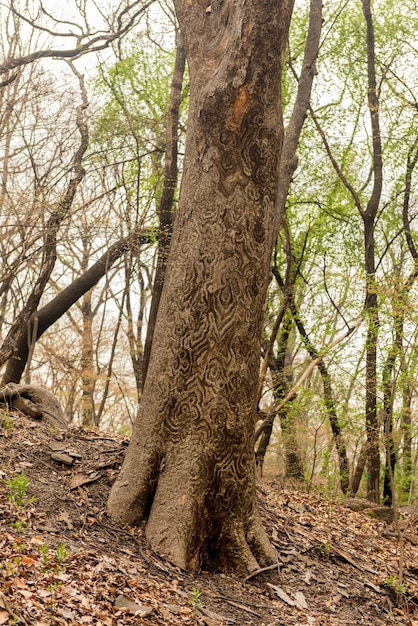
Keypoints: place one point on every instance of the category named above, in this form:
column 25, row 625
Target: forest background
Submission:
column 92, row 136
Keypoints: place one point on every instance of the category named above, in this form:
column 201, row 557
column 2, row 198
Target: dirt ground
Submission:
column 63, row 561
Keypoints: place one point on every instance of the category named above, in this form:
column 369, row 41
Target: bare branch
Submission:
column 277, row 407
column 94, row 43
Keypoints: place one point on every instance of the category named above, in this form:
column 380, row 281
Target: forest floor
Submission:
column 63, row 561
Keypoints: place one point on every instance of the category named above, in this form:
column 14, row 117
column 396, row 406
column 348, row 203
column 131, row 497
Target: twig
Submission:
column 260, row 571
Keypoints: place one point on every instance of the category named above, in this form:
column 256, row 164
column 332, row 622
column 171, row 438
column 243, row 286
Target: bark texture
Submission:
column 189, row 468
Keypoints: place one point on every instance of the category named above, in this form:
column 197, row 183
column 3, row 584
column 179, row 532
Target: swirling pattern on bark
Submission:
column 195, row 421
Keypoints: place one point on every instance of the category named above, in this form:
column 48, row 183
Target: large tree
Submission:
column 189, row 469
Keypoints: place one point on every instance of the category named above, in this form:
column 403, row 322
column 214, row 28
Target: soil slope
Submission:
column 63, row 561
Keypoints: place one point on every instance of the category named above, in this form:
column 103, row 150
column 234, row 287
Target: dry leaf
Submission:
column 300, row 600
column 81, row 479
column 64, row 517
column 281, row 594
column 37, row 541
column 28, row 560
column 133, row 607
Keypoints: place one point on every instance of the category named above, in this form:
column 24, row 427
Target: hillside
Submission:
column 64, row 562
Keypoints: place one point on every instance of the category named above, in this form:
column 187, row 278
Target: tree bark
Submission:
column 189, row 468
column 371, row 301
column 165, row 208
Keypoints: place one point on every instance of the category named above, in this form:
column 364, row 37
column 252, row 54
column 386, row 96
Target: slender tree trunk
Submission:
column 389, row 394
column 401, row 291
column 330, row 406
column 406, row 426
column 288, row 164
column 282, row 383
column 326, row 381
column 372, row 423
column 165, row 208
column 87, row 366
column 289, row 159
column 371, row 302
column 189, row 468
column 359, row 469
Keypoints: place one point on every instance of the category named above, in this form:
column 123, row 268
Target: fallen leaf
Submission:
column 28, row 560
column 4, row 617
column 281, row 594
column 20, row 584
column 133, row 607
column 85, row 603
column 81, row 479
column 37, row 541
column 300, row 600
column 64, row 517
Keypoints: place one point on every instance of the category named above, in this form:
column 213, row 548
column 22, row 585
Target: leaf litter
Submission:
column 64, row 562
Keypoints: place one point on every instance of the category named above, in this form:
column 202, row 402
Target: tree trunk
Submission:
column 165, row 208
column 359, row 469
column 329, row 403
column 406, row 426
column 87, row 364
column 288, row 164
column 372, row 423
column 371, row 302
column 189, row 468
column 282, row 380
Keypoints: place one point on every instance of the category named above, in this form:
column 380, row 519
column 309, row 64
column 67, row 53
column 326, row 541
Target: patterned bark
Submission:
column 190, row 466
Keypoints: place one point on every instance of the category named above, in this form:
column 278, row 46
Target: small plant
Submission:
column 7, row 422
column 195, row 599
column 9, row 565
column 17, row 487
column 20, row 525
column 393, row 582
column 323, row 550
column 43, row 549
column 61, row 554
column 19, row 546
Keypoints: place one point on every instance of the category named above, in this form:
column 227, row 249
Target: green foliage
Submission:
column 195, row 599
column 393, row 582
column 54, row 563
column 17, row 488
column 61, row 554
column 323, row 550
column 129, row 132
column 7, row 421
